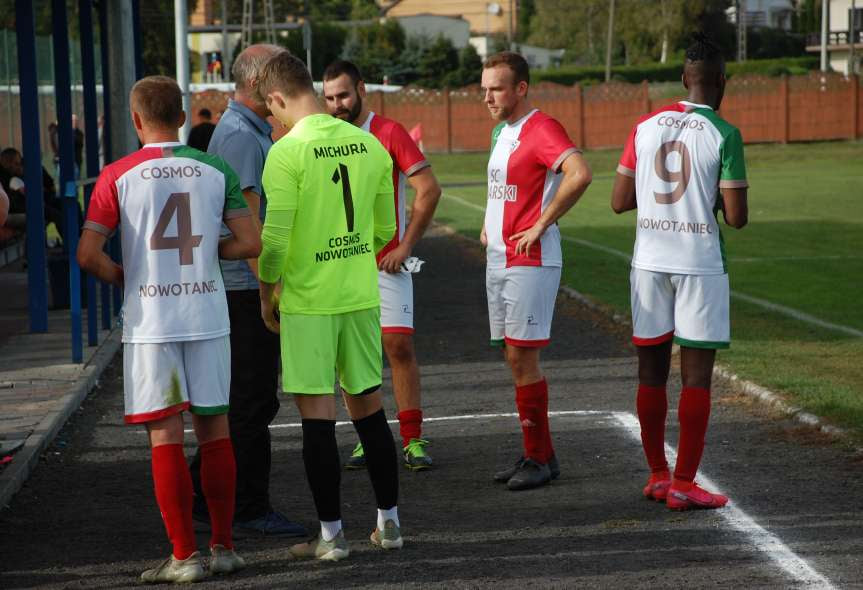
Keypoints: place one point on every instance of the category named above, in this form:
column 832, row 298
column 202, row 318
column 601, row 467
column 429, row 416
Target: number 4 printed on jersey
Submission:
column 185, row 243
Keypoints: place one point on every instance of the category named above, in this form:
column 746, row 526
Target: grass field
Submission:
column 802, row 249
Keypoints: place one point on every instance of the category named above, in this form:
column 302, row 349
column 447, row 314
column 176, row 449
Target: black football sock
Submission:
column 321, row 457
column 380, row 452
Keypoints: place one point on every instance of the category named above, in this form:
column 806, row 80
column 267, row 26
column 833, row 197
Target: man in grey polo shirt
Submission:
column 242, row 139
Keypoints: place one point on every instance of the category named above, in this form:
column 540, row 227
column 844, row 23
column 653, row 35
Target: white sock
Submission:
column 330, row 528
column 388, row 514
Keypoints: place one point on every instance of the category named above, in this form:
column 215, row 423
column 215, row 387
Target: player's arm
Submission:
column 4, row 206
column 576, row 178
column 732, row 181
column 425, row 202
column 253, row 200
column 735, row 208
column 93, row 259
column 281, row 183
column 244, row 241
column 385, row 213
column 623, row 194
column 103, row 217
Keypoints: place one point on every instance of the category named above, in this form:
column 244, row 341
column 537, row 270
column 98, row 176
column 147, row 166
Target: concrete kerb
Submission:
column 25, row 460
column 762, row 394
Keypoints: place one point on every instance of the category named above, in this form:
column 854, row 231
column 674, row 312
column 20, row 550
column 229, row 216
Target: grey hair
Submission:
column 248, row 65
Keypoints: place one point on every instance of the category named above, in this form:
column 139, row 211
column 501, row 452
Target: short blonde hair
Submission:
column 159, row 101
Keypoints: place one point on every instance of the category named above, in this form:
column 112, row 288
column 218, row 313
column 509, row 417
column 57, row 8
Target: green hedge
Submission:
column 670, row 72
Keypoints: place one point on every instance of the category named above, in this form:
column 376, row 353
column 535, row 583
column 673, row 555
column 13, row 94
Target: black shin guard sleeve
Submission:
column 380, row 451
column 323, row 470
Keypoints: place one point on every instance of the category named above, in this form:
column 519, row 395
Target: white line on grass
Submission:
column 764, row 541
column 763, row 303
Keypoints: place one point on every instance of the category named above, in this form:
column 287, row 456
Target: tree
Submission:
column 437, row 62
column 375, row 48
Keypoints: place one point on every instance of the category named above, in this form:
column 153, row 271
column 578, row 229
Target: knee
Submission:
column 399, row 349
column 522, row 365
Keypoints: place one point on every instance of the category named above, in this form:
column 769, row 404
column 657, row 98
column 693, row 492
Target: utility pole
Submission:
column 181, row 41
column 609, row 40
column 825, row 23
column 226, row 63
column 740, row 9
column 852, row 39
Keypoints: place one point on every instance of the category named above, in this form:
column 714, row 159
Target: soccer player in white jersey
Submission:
column 676, row 163
column 535, row 175
column 344, row 92
column 169, row 201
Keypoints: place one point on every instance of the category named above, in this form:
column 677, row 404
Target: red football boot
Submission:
column 686, row 496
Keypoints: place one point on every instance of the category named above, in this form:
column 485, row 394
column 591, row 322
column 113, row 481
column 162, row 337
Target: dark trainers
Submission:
column 416, row 458
column 357, row 460
column 505, row 475
column 530, row 474
column 272, row 523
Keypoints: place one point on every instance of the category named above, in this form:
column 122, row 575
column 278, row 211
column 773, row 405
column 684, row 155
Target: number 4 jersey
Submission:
column 169, row 201
column 680, row 156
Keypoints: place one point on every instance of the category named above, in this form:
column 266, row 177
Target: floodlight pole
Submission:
column 609, row 41
column 852, row 38
column 181, row 34
column 825, row 23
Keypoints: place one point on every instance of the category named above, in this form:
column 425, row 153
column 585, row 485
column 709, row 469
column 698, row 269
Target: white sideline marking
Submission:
column 764, row 541
column 761, row 539
column 449, row 418
column 763, row 303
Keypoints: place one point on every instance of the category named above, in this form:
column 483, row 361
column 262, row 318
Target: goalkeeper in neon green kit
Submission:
column 330, row 195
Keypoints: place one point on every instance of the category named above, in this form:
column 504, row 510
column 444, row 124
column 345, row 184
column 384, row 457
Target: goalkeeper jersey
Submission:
column 330, row 209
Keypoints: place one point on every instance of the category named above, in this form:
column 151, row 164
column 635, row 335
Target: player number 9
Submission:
column 679, row 177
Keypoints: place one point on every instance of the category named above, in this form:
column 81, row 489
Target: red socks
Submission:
column 532, row 402
column 174, row 495
column 652, row 405
column 219, row 483
column 410, row 425
column 693, row 413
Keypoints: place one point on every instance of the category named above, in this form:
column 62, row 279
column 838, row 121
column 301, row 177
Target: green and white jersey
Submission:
column 169, row 201
column 330, row 208
column 680, row 156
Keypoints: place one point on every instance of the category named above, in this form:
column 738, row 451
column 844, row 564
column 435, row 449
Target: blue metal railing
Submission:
column 35, row 237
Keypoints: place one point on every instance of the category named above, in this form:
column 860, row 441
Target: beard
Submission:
column 350, row 115
column 503, row 113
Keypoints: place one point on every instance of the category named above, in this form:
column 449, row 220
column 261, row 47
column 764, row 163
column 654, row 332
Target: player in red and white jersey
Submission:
column 169, row 200
column 535, row 175
column 676, row 163
column 345, row 93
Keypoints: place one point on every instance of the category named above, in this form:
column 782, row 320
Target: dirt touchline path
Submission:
column 768, row 543
column 762, row 540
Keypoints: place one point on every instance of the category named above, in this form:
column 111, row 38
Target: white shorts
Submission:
column 397, row 302
column 692, row 309
column 166, row 378
column 521, row 304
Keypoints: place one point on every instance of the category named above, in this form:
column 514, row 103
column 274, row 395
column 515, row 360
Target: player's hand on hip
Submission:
column 392, row 261
column 525, row 239
column 483, row 238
